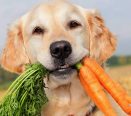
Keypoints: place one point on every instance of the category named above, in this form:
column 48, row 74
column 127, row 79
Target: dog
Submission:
column 58, row 34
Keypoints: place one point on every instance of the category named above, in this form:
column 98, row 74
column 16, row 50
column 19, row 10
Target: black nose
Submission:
column 60, row 49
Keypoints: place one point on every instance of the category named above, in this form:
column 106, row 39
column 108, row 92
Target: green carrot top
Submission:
column 26, row 95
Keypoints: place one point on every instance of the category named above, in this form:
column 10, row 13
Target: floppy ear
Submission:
column 102, row 41
column 14, row 55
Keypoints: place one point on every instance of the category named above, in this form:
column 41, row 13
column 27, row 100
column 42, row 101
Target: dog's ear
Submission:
column 14, row 55
column 102, row 41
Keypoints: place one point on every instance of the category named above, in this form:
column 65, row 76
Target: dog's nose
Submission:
column 60, row 49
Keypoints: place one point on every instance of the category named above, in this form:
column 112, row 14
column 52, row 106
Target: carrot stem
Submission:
column 78, row 65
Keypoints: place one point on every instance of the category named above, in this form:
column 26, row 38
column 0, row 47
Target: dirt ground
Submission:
column 121, row 74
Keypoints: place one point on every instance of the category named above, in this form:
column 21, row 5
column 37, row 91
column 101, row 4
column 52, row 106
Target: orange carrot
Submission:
column 95, row 91
column 122, row 90
column 128, row 99
column 115, row 91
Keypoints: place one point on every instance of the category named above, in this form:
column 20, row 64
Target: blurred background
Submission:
column 117, row 16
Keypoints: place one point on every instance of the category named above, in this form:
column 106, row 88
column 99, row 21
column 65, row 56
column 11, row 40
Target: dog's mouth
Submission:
column 64, row 69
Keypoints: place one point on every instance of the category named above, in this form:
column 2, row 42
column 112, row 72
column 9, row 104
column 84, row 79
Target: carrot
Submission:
column 115, row 91
column 122, row 90
column 128, row 99
column 95, row 91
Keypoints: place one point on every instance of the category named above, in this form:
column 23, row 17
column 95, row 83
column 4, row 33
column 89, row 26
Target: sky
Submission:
column 116, row 13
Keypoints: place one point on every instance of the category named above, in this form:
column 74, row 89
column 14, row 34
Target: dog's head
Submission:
column 57, row 35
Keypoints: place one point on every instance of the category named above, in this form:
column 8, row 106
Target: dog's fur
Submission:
column 65, row 93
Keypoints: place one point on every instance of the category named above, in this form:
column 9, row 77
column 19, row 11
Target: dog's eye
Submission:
column 73, row 24
column 38, row 30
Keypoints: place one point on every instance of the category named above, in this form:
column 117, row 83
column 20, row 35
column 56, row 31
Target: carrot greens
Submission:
column 26, row 95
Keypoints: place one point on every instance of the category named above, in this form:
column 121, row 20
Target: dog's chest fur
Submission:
column 67, row 100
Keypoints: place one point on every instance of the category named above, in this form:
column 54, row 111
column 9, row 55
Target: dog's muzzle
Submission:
column 60, row 50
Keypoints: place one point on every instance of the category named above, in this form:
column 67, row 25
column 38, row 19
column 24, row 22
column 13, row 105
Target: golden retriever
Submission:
column 58, row 34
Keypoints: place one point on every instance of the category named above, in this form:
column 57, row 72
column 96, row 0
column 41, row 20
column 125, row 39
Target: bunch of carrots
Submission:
column 26, row 95
column 94, row 79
